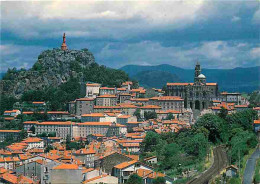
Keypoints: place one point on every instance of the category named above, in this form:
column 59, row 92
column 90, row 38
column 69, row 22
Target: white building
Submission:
column 34, row 142
column 92, row 89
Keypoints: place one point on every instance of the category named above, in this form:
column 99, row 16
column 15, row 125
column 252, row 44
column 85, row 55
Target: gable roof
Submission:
column 125, row 164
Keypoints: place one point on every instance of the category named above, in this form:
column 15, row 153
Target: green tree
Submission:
column 170, row 116
column 134, row 179
column 150, row 142
column 32, row 129
column 44, row 134
column 137, row 113
column 213, row 124
column 150, row 93
column 48, row 148
column 244, row 118
column 52, row 134
column 223, row 113
column 150, row 115
column 159, row 180
column 22, row 135
column 254, row 99
column 6, row 103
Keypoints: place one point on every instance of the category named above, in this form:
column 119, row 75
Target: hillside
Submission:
column 56, row 67
column 237, row 79
column 155, row 77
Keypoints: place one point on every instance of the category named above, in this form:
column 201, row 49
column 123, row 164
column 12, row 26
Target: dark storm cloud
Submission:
column 220, row 34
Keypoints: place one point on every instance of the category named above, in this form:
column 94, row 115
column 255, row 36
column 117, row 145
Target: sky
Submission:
column 218, row 34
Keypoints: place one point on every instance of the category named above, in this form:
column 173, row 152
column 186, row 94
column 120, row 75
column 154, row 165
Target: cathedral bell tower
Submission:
column 63, row 45
column 197, row 73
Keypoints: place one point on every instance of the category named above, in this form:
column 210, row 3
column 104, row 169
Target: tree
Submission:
column 52, row 134
column 159, row 180
column 213, row 124
column 150, row 93
column 137, row 113
column 254, row 99
column 244, row 118
column 6, row 103
column 43, row 134
column 134, row 179
column 150, row 115
column 223, row 113
column 32, row 129
column 170, row 116
column 22, row 135
column 150, row 141
column 48, row 148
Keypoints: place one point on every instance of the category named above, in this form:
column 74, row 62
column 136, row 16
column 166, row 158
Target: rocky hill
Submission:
column 53, row 68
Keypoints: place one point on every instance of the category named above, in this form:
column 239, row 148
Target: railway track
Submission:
column 220, row 161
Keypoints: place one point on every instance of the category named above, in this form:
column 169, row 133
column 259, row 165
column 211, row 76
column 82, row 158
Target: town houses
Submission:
column 99, row 137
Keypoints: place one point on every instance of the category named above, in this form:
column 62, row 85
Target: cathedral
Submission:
column 197, row 95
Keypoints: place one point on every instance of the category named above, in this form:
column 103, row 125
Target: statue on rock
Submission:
column 63, row 45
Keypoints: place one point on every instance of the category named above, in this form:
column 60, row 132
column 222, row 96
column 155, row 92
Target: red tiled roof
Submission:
column 150, row 107
column 93, row 84
column 93, row 115
column 106, row 96
column 66, row 166
column 10, row 131
column 85, row 99
column 125, row 164
column 95, row 123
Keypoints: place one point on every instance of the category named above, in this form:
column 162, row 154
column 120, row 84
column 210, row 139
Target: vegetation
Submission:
column 134, row 179
column 74, row 145
column 104, row 75
column 170, row 116
column 254, row 99
column 150, row 115
column 6, row 103
column 159, row 180
column 176, row 152
column 257, row 172
column 150, row 93
column 58, row 96
column 137, row 113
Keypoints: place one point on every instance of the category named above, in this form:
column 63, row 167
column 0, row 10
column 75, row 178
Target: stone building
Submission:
column 197, row 95
column 62, row 128
column 4, row 134
column 84, row 106
column 106, row 100
column 168, row 102
column 107, row 163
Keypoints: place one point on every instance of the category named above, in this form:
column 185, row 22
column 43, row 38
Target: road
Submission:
column 220, row 161
column 250, row 167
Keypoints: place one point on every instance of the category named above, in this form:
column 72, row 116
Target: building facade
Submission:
column 106, row 100
column 84, row 106
column 197, row 95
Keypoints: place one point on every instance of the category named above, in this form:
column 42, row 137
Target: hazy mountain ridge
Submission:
column 237, row 79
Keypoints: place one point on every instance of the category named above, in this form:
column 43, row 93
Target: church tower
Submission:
column 197, row 73
column 63, row 45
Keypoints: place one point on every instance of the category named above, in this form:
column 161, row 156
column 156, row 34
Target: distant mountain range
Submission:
column 232, row 80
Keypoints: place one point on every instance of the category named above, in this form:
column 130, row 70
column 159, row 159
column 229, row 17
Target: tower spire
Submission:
column 63, row 45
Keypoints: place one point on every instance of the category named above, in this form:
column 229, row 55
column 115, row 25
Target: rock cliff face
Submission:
column 52, row 68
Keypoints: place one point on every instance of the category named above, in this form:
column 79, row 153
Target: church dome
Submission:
column 202, row 76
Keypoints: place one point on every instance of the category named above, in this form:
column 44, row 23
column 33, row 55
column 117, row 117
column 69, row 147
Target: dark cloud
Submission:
column 220, row 34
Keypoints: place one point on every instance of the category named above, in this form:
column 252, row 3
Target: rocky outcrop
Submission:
column 52, row 68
